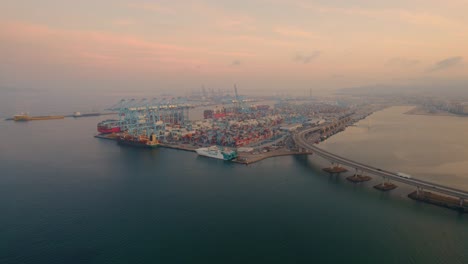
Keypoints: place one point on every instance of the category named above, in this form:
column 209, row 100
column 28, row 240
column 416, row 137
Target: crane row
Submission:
column 300, row 139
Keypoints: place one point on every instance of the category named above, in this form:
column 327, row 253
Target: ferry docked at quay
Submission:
column 217, row 153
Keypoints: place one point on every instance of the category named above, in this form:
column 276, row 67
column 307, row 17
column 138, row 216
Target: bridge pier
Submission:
column 450, row 202
column 335, row 168
column 443, row 196
column 419, row 191
column 386, row 185
column 358, row 177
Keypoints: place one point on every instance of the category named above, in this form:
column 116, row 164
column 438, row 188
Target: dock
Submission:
column 184, row 147
column 51, row 117
column 107, row 136
column 247, row 158
column 243, row 158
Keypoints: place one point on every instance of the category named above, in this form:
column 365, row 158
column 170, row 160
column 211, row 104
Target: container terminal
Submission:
column 252, row 129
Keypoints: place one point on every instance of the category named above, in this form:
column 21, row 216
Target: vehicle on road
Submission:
column 404, row 175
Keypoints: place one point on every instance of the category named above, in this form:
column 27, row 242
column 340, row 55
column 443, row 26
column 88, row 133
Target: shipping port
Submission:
column 233, row 128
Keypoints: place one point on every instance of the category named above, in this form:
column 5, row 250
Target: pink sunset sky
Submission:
column 259, row 44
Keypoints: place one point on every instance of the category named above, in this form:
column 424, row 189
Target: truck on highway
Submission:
column 404, row 175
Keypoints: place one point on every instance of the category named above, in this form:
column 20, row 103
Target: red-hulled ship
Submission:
column 262, row 107
column 218, row 113
column 108, row 126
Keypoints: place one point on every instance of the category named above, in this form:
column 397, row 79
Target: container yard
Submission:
column 249, row 132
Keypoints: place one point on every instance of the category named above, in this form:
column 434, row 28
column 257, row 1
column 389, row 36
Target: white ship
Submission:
column 217, row 153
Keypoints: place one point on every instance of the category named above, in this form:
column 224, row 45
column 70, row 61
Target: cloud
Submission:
column 337, row 76
column 260, row 41
column 239, row 22
column 446, row 64
column 306, row 58
column 153, row 7
column 402, row 62
column 294, row 32
column 106, row 50
column 406, row 16
column 235, row 63
column 216, row 17
column 124, row 22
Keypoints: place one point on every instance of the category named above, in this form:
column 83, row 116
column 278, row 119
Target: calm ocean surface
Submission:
column 66, row 197
column 434, row 148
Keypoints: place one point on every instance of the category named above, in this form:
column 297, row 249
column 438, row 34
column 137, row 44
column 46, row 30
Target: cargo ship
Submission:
column 207, row 114
column 261, row 107
column 108, row 126
column 217, row 153
column 26, row 117
column 138, row 141
column 218, row 113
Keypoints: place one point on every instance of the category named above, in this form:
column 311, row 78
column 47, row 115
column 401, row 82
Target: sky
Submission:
column 263, row 45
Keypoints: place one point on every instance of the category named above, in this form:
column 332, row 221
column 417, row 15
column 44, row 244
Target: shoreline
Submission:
column 252, row 158
column 418, row 110
column 243, row 158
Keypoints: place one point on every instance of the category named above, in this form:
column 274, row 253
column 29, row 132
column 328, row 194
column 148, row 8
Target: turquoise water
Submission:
column 66, row 197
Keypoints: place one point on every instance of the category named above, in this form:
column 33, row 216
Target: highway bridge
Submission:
column 305, row 139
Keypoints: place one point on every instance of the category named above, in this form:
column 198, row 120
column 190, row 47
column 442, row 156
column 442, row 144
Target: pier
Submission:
column 62, row 116
column 243, row 158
